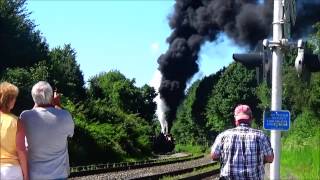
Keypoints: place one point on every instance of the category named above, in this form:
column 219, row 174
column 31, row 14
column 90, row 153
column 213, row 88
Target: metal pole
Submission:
column 276, row 99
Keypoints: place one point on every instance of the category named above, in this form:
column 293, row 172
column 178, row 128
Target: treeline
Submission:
column 113, row 117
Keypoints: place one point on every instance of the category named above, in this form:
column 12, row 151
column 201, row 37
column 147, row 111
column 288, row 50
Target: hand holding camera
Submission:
column 56, row 101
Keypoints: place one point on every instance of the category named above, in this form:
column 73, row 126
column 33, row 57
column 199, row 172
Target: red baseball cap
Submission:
column 242, row 112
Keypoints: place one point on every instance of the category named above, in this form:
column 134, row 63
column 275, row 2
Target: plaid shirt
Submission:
column 242, row 150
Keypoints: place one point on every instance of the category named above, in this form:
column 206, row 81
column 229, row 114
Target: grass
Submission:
column 300, row 155
column 301, row 161
column 193, row 149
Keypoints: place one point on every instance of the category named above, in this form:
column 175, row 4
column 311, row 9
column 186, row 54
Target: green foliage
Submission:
column 301, row 163
column 315, row 39
column 303, row 128
column 300, row 153
column 185, row 130
column 65, row 73
column 101, row 86
column 314, row 93
column 111, row 124
column 127, row 135
column 61, row 71
column 39, row 71
column 236, row 86
column 264, row 94
column 190, row 148
column 147, row 106
column 115, row 90
column 190, row 125
column 202, row 94
column 299, row 94
column 209, row 104
column 21, row 45
column 24, row 79
column 295, row 91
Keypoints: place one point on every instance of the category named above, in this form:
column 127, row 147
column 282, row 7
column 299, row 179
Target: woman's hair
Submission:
column 42, row 93
column 8, row 92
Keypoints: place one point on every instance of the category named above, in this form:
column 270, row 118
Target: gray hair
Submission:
column 42, row 93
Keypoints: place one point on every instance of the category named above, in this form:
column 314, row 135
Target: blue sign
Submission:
column 276, row 120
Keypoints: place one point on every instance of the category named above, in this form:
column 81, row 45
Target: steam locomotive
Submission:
column 163, row 143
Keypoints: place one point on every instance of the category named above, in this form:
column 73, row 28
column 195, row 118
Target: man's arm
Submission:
column 56, row 101
column 268, row 158
column 21, row 151
column 215, row 149
column 215, row 157
column 267, row 150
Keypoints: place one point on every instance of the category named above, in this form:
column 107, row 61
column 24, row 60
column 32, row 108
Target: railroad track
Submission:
column 184, row 171
column 104, row 168
column 157, row 172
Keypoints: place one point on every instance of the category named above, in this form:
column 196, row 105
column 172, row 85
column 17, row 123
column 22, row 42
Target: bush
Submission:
column 303, row 130
column 126, row 137
column 300, row 153
column 190, row 148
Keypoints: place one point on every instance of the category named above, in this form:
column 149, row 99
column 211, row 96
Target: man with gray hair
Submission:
column 47, row 128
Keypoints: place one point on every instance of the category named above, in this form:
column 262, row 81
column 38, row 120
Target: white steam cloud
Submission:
column 161, row 106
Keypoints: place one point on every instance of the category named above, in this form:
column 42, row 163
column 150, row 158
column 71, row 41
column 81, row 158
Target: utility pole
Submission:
column 276, row 99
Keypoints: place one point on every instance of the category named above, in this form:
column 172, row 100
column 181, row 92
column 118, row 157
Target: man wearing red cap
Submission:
column 242, row 150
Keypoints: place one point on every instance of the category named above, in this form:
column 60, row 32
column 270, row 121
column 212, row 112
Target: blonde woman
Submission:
column 13, row 159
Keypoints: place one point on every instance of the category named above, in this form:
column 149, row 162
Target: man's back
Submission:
column 47, row 130
column 242, row 150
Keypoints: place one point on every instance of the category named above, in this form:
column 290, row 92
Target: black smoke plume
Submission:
column 195, row 21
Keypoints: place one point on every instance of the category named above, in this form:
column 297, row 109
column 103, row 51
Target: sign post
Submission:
column 276, row 120
column 276, row 97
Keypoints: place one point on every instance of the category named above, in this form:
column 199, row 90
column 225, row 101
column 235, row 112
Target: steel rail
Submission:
column 178, row 172
column 104, row 168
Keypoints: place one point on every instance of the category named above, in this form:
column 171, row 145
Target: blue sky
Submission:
column 126, row 35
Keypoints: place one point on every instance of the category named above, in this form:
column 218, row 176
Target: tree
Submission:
column 185, row 129
column 147, row 107
column 299, row 95
column 314, row 101
column 111, row 136
column 21, row 45
column 65, row 73
column 190, row 125
column 24, row 79
column 114, row 89
column 315, row 38
column 236, row 86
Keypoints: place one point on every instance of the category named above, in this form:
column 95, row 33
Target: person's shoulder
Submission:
column 10, row 116
column 231, row 130
column 254, row 130
column 226, row 132
column 26, row 112
column 64, row 113
column 258, row 132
